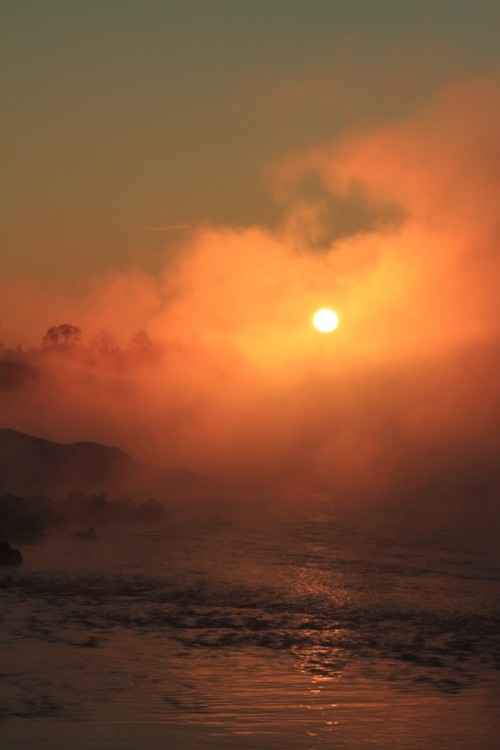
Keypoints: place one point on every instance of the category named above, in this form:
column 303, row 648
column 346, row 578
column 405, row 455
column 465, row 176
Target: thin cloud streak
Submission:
column 166, row 228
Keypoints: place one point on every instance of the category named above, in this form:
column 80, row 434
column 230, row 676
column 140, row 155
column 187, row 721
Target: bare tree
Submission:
column 104, row 343
column 143, row 348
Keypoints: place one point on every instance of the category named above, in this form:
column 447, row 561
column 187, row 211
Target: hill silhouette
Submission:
column 31, row 465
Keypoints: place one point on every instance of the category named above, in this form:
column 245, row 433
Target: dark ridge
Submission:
column 31, row 465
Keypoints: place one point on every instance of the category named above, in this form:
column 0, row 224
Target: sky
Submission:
column 213, row 173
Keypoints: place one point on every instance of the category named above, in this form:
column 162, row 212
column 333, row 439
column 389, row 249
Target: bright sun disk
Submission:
column 325, row 320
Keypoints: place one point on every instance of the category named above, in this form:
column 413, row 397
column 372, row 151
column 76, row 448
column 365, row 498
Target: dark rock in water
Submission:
column 9, row 555
column 86, row 534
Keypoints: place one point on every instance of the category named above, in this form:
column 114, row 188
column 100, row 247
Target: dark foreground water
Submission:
column 304, row 630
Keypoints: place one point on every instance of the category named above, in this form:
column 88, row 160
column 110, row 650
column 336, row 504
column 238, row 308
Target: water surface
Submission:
column 304, row 630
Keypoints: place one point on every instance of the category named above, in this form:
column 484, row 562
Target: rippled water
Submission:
column 215, row 631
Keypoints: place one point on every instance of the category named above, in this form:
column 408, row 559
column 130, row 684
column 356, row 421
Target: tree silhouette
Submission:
column 143, row 348
column 104, row 343
column 62, row 336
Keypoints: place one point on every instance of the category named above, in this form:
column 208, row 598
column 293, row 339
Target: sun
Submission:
column 325, row 320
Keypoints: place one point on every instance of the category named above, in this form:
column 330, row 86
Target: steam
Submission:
column 403, row 397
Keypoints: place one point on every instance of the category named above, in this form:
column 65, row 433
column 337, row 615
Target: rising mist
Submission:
column 231, row 378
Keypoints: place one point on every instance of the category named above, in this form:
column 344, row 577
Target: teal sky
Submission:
column 124, row 115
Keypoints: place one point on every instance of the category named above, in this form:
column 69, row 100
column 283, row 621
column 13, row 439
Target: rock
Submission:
column 9, row 555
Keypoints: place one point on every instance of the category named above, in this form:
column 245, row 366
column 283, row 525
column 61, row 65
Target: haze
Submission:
column 219, row 217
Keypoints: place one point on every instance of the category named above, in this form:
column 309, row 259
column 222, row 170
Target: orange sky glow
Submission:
column 244, row 386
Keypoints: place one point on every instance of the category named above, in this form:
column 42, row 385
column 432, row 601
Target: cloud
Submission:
column 403, row 395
